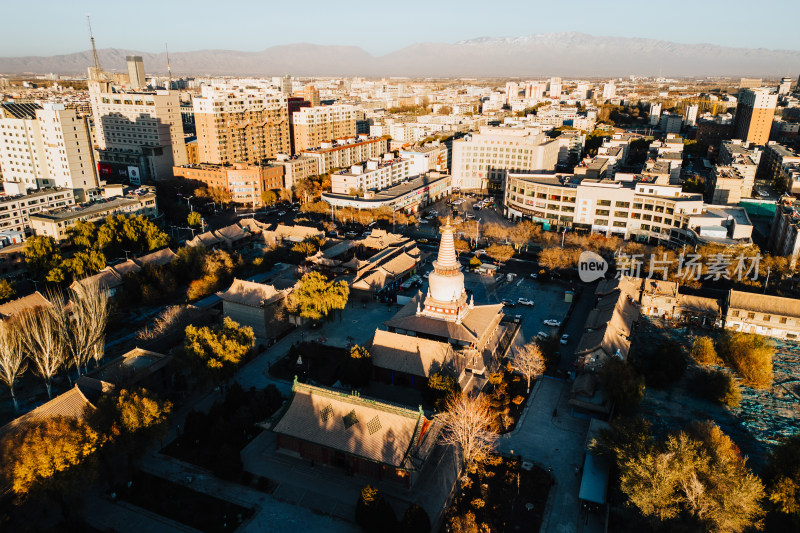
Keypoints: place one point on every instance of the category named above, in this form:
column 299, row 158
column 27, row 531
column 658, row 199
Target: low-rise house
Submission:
column 762, row 314
column 659, row 298
column 138, row 367
column 31, row 301
column 231, row 237
column 386, row 268
column 405, row 360
column 363, row 436
column 699, row 310
column 259, row 306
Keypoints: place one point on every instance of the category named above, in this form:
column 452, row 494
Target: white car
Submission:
column 525, row 301
column 564, row 339
column 542, row 336
column 554, row 323
column 479, row 252
column 470, row 216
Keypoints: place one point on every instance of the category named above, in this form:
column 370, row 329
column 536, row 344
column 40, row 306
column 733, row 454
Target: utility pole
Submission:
column 769, row 269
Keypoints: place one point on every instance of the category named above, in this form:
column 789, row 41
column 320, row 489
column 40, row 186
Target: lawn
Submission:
column 505, row 494
column 183, row 504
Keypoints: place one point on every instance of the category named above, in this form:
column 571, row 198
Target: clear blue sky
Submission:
column 380, row 27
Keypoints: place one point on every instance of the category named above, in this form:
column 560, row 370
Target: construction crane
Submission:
column 96, row 73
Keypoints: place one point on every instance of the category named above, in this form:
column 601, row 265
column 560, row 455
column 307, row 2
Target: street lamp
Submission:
column 189, row 204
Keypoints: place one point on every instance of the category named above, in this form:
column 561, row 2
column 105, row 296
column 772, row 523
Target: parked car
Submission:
column 479, row 252
column 564, row 339
column 423, row 241
column 542, row 336
column 351, row 234
column 551, row 322
column 281, row 213
column 470, row 216
column 525, row 301
column 534, row 275
column 509, row 303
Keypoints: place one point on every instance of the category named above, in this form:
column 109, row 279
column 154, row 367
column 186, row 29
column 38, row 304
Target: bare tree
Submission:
column 42, row 339
column 466, row 425
column 12, row 358
column 82, row 322
column 529, row 361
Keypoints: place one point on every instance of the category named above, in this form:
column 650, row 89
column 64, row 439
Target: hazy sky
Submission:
column 380, row 27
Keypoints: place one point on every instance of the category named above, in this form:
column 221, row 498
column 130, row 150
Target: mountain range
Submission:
column 559, row 54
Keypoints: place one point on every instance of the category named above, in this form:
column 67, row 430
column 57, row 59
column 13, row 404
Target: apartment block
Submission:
column 315, row 125
column 140, row 129
column 727, row 184
column 16, row 210
column 296, row 167
column 237, row 124
column 57, row 222
column 375, row 174
column 482, row 160
column 631, row 210
column 344, row 153
column 43, row 147
column 244, row 182
column 426, row 158
column 784, row 236
column 773, row 160
column 570, row 147
column 754, row 114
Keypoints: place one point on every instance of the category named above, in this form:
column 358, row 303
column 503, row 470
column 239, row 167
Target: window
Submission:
column 604, row 202
column 622, row 204
column 751, row 315
column 620, row 214
column 782, row 320
column 767, row 318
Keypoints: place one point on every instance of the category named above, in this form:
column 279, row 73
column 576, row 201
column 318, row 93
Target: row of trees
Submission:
column 60, row 336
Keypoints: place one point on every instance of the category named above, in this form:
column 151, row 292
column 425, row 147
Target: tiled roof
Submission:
column 363, row 427
column 251, row 294
column 410, row 355
column 159, row 258
column 128, row 267
column 30, row 301
column 763, row 303
column 699, row 304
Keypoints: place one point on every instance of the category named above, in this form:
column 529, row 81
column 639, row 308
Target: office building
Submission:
column 44, row 147
column 315, row 125
column 375, row 174
column 754, row 114
column 238, row 124
column 136, row 73
column 344, row 153
column 481, row 160
column 244, row 182
column 142, row 131
column 632, row 210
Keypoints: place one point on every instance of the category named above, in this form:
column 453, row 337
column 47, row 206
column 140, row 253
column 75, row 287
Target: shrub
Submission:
column 750, row 355
column 718, row 386
column 703, row 351
column 440, row 386
column 373, row 513
column 415, row 520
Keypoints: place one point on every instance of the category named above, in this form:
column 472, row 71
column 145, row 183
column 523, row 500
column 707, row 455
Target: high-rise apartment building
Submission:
column 315, row 125
column 555, row 88
column 535, row 90
column 482, row 160
column 754, row 114
column 690, row 117
column 141, row 129
column 136, row 72
column 785, row 86
column 44, row 147
column 241, row 124
column 655, row 114
column 609, row 90
column 311, row 95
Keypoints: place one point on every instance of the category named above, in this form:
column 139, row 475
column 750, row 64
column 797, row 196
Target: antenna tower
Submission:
column 169, row 69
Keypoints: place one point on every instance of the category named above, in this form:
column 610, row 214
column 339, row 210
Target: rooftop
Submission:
column 95, row 208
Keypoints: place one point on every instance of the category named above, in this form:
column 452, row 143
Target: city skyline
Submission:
column 63, row 28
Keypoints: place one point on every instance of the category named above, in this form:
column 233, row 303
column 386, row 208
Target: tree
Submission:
column 415, row 520
column 268, row 197
column 194, row 219
column 783, row 478
column 315, row 297
column 440, row 386
column 132, row 233
column 624, row 384
column 718, row 386
column 373, row 512
column 44, row 343
column 219, row 349
column 461, row 245
column 523, row 232
column 285, row 195
column 750, row 355
column 552, row 258
column 703, row 351
column 467, row 426
column 357, row 367
column 83, row 325
column 82, row 234
column 500, row 252
column 141, row 415
column 12, row 358
column 529, row 361
column 41, row 255
column 7, row 290
column 54, row 454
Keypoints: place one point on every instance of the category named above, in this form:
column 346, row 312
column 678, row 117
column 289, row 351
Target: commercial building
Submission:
column 42, row 147
column 410, row 196
column 315, row 125
column 15, row 210
column 431, row 157
column 632, row 210
column 244, row 182
column 241, row 124
column 754, row 114
column 141, row 132
column 482, row 160
column 343, row 153
column 55, row 223
column 136, row 72
column 374, row 175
